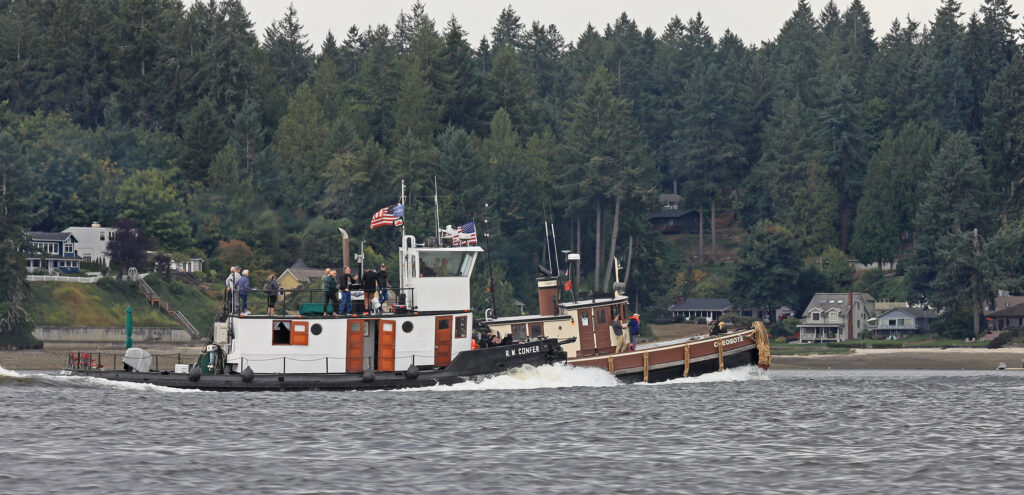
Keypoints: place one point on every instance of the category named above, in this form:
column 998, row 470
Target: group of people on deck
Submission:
column 619, row 333
column 338, row 290
column 237, row 288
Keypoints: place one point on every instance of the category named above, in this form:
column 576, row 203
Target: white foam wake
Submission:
column 741, row 374
column 531, row 377
column 56, row 380
column 9, row 373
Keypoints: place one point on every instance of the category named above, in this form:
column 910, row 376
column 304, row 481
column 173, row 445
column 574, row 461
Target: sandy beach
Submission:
column 906, row 359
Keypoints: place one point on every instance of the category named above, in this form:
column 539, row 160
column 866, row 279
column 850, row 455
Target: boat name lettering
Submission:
column 522, row 350
column 730, row 341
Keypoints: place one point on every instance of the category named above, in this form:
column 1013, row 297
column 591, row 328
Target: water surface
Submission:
column 552, row 429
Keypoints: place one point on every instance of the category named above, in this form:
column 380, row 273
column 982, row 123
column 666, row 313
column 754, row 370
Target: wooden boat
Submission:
column 588, row 321
column 424, row 339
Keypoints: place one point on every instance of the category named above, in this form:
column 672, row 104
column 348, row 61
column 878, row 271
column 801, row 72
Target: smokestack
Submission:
column 344, row 247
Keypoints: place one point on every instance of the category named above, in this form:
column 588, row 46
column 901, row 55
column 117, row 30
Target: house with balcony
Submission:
column 52, row 252
column 835, row 317
column 898, row 323
column 92, row 241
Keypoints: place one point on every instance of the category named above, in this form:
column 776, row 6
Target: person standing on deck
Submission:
column 331, row 292
column 344, row 284
column 634, row 330
column 383, row 286
column 369, row 287
column 243, row 288
column 620, row 335
column 273, row 289
column 229, row 286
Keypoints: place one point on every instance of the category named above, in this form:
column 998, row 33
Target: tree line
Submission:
column 831, row 139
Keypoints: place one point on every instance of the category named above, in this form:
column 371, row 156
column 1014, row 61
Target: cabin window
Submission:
column 445, row 264
column 519, row 331
column 460, row 327
column 536, row 330
column 407, row 327
column 316, row 329
column 282, row 334
column 601, row 316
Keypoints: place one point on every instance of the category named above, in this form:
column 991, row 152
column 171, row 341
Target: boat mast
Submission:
column 437, row 214
column 490, row 270
column 401, row 200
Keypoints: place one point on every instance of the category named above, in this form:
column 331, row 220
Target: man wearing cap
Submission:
column 382, row 286
column 634, row 330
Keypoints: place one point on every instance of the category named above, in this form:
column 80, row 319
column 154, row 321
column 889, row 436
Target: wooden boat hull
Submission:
column 690, row 358
column 465, row 366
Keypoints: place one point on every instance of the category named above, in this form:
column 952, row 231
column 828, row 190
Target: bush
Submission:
column 19, row 340
column 784, row 328
column 701, row 320
column 1000, row 340
column 892, row 344
column 780, row 340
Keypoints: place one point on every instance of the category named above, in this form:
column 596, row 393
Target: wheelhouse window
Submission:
column 460, row 327
column 519, row 331
column 536, row 330
column 601, row 316
column 445, row 264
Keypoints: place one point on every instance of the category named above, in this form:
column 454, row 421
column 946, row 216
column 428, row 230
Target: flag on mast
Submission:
column 466, row 235
column 388, row 215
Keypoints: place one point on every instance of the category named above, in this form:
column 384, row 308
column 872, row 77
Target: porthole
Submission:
column 316, row 329
column 407, row 327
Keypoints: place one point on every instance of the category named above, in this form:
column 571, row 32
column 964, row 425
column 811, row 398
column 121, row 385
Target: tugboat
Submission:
column 424, row 339
column 587, row 326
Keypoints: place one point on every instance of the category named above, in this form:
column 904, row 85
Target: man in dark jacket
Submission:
column 331, row 292
column 634, row 330
column 383, row 286
column 619, row 335
column 344, row 285
column 369, row 287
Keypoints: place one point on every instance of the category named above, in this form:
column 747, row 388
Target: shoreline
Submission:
column 906, row 358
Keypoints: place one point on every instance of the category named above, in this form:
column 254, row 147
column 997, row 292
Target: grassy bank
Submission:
column 198, row 305
column 101, row 304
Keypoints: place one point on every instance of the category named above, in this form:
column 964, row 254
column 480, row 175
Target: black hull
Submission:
column 746, row 358
column 466, row 365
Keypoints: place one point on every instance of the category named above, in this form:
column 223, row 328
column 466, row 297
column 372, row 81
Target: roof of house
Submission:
column 1004, row 302
column 50, row 236
column 299, row 264
column 1014, row 311
column 883, row 306
column 914, row 312
column 666, row 213
column 829, row 300
column 304, row 275
column 697, row 304
column 669, row 198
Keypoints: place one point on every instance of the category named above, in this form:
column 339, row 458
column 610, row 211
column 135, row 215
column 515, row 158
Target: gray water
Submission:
column 543, row 430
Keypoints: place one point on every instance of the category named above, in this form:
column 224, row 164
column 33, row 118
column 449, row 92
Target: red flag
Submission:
column 567, row 285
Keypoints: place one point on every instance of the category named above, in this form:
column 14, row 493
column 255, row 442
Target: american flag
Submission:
column 388, row 215
column 467, row 235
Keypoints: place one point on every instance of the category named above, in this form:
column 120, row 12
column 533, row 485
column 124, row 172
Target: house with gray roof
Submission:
column 692, row 308
column 52, row 252
column 835, row 317
column 900, row 323
column 1006, row 318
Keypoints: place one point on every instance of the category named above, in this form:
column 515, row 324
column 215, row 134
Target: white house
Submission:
column 832, row 317
column 92, row 241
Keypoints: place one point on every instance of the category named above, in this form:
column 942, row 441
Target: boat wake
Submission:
column 534, row 377
column 51, row 379
column 740, row 374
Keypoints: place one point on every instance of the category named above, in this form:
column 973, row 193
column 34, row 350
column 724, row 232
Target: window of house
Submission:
column 101, row 236
column 892, row 323
column 815, row 316
column 858, row 324
column 519, row 331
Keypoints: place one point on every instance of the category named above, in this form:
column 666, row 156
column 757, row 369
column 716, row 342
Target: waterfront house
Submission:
column 299, row 274
column 691, row 308
column 92, row 242
column 899, row 323
column 669, row 218
column 835, row 317
column 1006, row 318
column 52, row 252
column 187, row 265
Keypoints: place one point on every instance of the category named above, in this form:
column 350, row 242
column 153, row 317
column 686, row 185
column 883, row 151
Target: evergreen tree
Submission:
column 289, row 55
column 204, row 134
column 845, row 138
column 767, row 268
column 15, row 207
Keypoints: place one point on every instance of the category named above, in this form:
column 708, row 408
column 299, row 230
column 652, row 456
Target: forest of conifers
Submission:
column 842, row 136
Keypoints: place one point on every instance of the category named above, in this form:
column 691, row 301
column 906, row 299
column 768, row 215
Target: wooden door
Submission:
column 300, row 333
column 442, row 341
column 386, row 346
column 586, row 322
column 354, row 346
